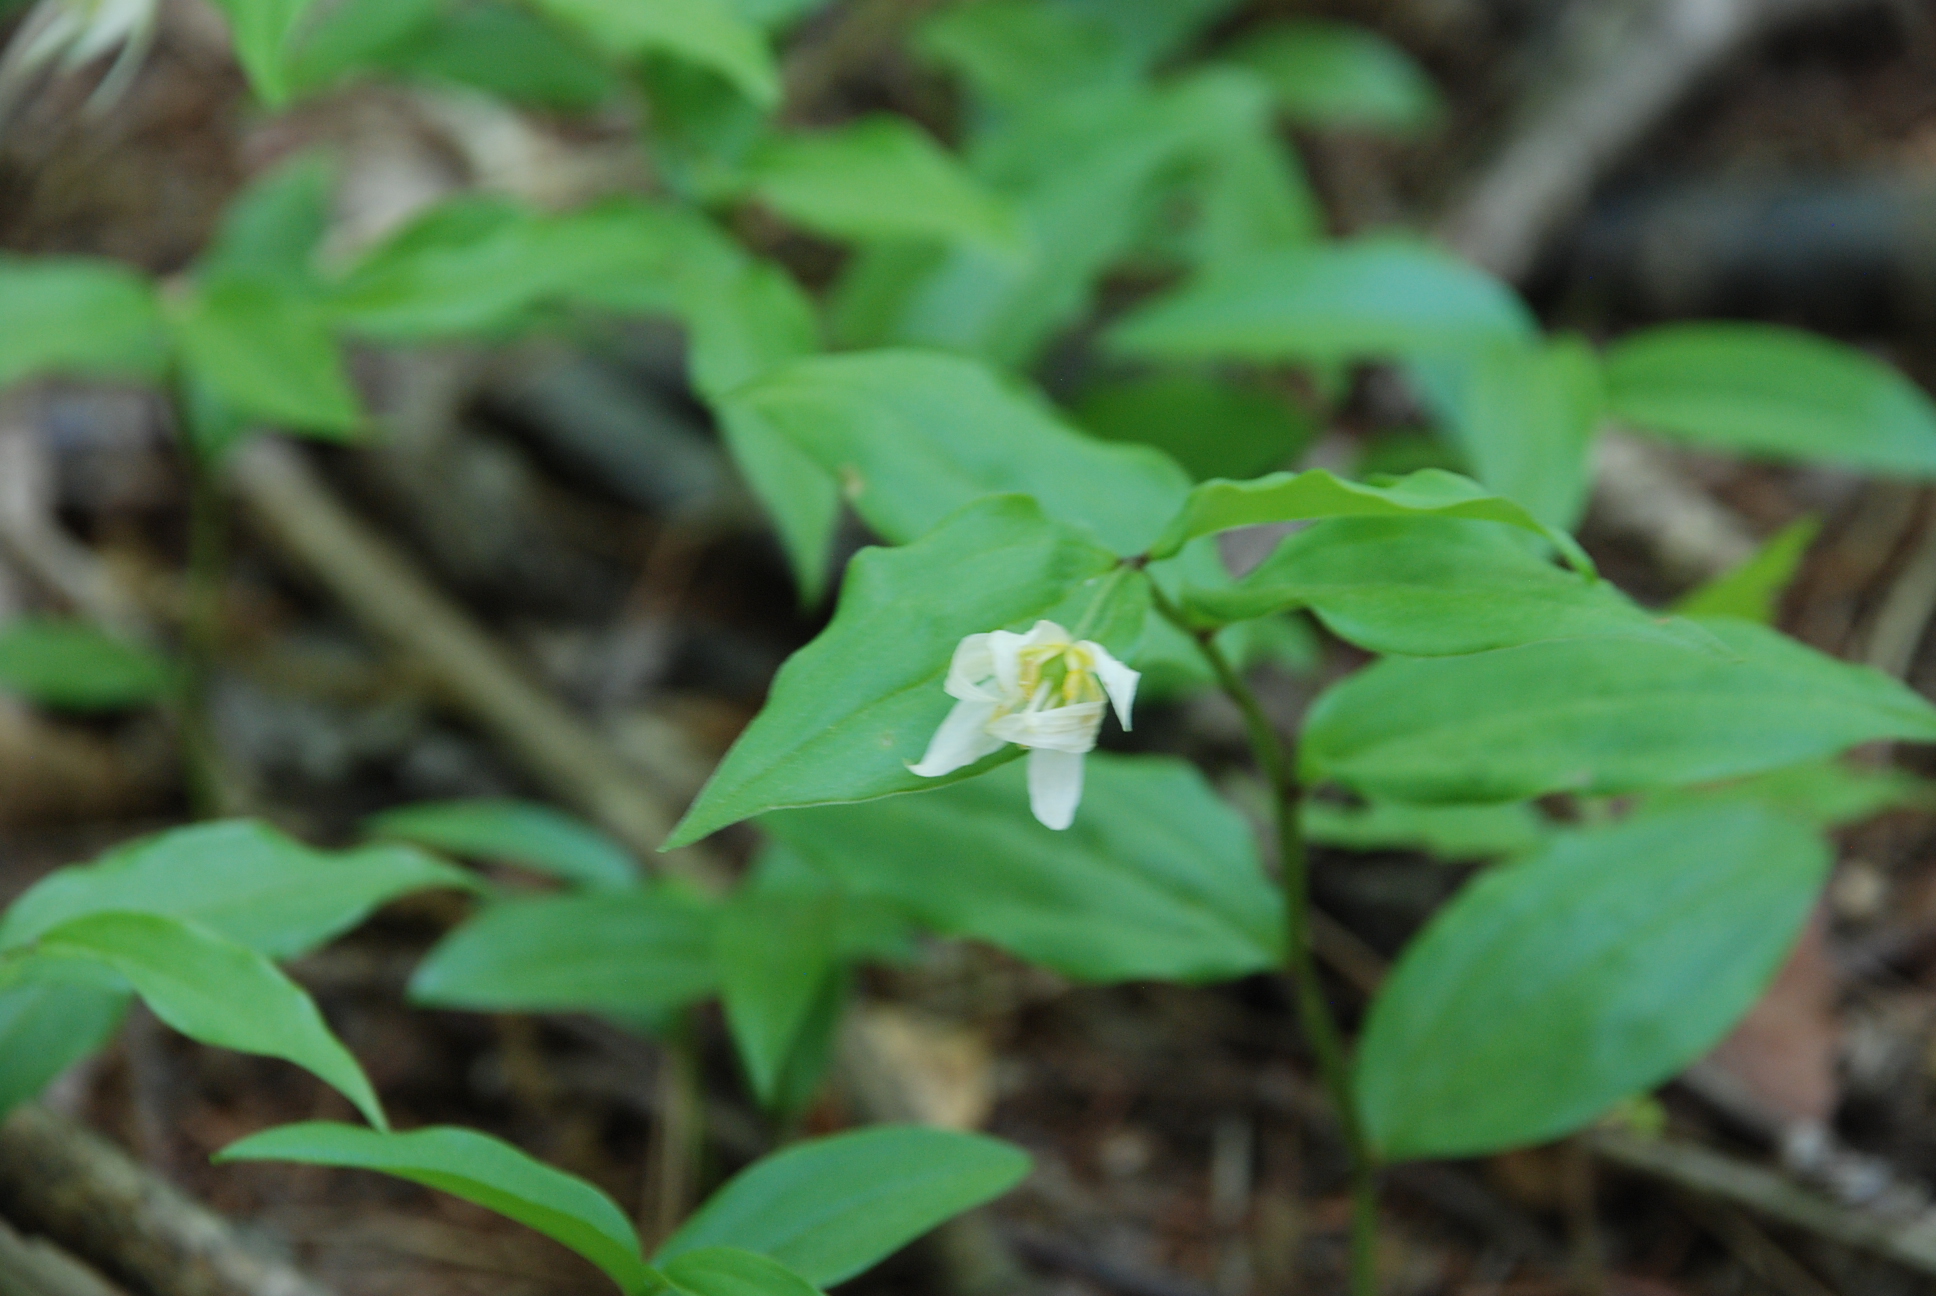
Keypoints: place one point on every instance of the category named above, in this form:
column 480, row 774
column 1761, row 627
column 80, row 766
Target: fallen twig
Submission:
column 1909, row 1242
column 67, row 1182
column 36, row 1267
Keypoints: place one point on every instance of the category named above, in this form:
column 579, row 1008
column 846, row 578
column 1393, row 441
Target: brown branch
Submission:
column 70, row 1184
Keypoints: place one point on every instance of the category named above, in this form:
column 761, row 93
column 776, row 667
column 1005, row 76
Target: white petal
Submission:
column 1118, row 680
column 962, row 739
column 1005, row 649
column 1055, row 787
column 970, row 669
column 1064, row 729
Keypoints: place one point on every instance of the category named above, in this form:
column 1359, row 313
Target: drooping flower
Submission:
column 1039, row 690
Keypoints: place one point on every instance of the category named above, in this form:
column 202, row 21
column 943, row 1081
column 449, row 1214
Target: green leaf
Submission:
column 1016, row 53
column 610, row 951
column 725, row 1271
column 268, row 352
column 241, row 880
column 1432, row 587
column 706, row 32
column 512, row 832
column 1524, row 416
column 1330, row 74
column 914, row 436
column 1598, row 716
column 1157, row 878
column 742, row 320
column 46, row 1028
column 832, row 1207
column 76, row 315
column 1451, row 832
column 477, row 1168
column 271, row 231
column 1827, row 794
column 1292, row 497
column 848, row 712
column 72, row 666
column 1327, row 303
column 355, row 36
column 1552, row 988
column 1763, row 389
column 508, row 52
column 775, row 954
column 211, row 990
column 262, row 31
column 1212, row 428
column 881, row 177
column 1753, row 590
column 1250, row 190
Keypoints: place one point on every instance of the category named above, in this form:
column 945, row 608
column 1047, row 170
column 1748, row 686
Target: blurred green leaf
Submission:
column 76, row 315
column 1331, row 74
column 1157, row 878
column 881, row 177
column 1451, row 832
column 1763, row 389
column 830, row 1208
column 1598, row 716
column 706, row 32
column 506, row 51
column 210, row 990
column 1363, row 300
column 1212, row 428
column 1552, row 988
column 242, row 880
column 849, row 711
column 268, row 352
column 1753, row 590
column 1290, row 497
column 1827, row 794
column 271, row 231
column 627, row 952
column 46, row 1028
column 1433, row 587
column 72, row 666
column 1524, row 415
column 726, row 1271
column 263, row 31
column 512, row 832
column 477, row 1168
column 913, row 436
column 776, row 953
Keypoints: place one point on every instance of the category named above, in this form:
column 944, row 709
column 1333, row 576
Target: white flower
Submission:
column 67, row 34
column 1041, row 691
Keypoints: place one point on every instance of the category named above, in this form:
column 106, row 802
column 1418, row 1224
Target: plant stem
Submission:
column 202, row 633
column 1320, row 1026
column 673, row 1173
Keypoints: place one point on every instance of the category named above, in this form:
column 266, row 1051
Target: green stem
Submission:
column 1300, row 962
column 202, row 633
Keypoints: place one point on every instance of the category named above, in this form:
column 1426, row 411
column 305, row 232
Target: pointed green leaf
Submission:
column 46, row 1027
column 1552, row 988
column 1433, row 587
column 272, row 229
column 262, row 31
column 477, row 1168
column 913, row 436
column 77, row 315
column 1827, row 794
column 1753, row 590
column 726, row 1271
column 268, row 352
column 1598, row 716
column 1212, row 428
column 1763, row 389
column 832, row 1207
column 1327, row 303
column 881, row 177
column 1292, row 497
column 72, row 666
column 706, row 32
column 776, row 953
column 637, row 952
column 512, row 832
column 1331, row 74
column 242, row 880
column 1451, row 832
column 1157, row 878
column 211, row 990
column 848, row 712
